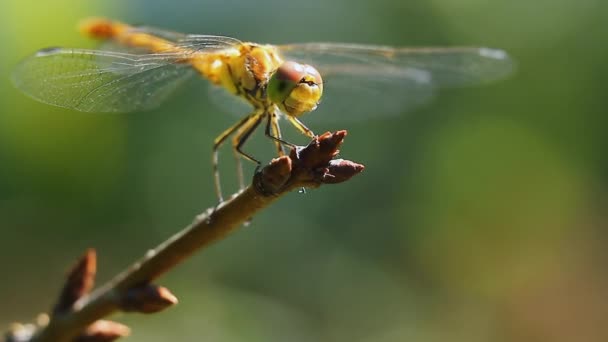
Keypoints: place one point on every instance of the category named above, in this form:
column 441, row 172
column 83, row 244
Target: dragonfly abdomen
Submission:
column 104, row 29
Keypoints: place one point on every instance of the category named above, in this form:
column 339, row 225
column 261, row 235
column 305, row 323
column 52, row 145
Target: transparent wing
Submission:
column 192, row 43
column 228, row 103
column 367, row 80
column 206, row 43
column 114, row 78
column 172, row 36
column 100, row 81
column 354, row 96
column 440, row 66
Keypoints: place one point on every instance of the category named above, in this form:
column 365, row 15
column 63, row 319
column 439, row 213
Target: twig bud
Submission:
column 80, row 281
column 320, row 150
column 340, row 170
column 147, row 299
column 103, row 331
column 273, row 177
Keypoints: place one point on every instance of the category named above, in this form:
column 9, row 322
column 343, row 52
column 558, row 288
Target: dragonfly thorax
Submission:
column 259, row 74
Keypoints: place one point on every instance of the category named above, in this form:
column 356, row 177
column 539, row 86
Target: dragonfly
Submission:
column 137, row 68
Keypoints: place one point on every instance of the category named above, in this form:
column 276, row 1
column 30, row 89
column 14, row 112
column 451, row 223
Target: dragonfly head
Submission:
column 296, row 88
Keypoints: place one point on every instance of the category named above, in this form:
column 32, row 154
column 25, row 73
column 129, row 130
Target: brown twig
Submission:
column 77, row 314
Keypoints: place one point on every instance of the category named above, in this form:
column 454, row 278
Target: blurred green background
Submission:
column 480, row 217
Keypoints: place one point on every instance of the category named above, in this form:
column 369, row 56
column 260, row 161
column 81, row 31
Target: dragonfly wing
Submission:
column 227, row 102
column 207, row 43
column 198, row 42
column 347, row 98
column 100, row 81
column 189, row 43
column 445, row 66
column 385, row 81
column 169, row 35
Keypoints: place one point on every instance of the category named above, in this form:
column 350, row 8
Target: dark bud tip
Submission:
column 331, row 141
column 321, row 150
column 80, row 281
column 147, row 299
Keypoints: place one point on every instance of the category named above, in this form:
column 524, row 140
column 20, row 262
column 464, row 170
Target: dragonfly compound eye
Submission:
column 295, row 88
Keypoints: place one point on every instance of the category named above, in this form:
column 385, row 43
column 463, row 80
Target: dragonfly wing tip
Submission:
column 493, row 53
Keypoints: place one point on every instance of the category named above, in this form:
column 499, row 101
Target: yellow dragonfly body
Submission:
column 137, row 68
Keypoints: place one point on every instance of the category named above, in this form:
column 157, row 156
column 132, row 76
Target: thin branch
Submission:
column 77, row 315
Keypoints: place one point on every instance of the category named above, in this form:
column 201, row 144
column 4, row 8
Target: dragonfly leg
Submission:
column 255, row 121
column 300, row 126
column 239, row 140
column 237, row 158
column 216, row 145
column 276, row 131
column 273, row 124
